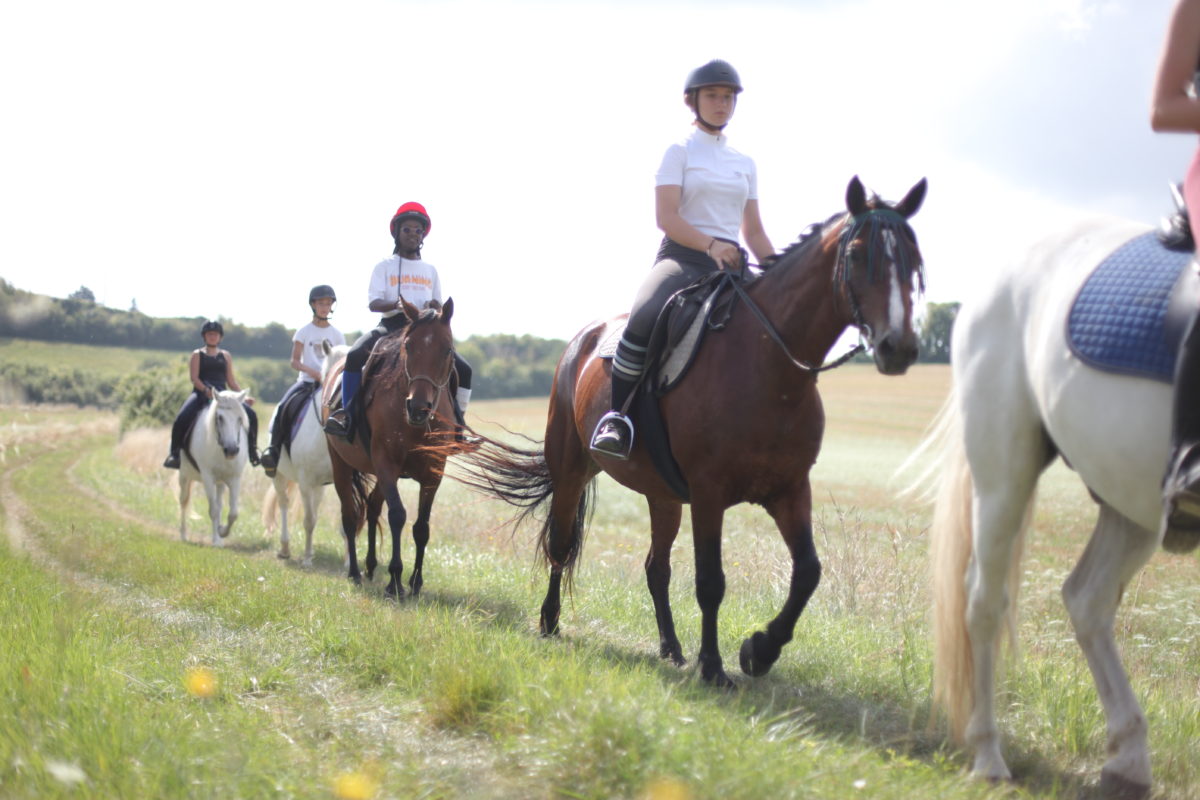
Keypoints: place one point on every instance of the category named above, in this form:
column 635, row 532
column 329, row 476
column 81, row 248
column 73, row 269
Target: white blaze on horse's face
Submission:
column 230, row 418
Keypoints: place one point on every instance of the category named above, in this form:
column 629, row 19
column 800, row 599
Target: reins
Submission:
column 774, row 334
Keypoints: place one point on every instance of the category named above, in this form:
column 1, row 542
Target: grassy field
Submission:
column 137, row 666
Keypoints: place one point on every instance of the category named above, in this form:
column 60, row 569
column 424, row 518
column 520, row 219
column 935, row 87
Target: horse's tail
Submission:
column 520, row 476
column 360, row 488
column 951, row 547
column 271, row 505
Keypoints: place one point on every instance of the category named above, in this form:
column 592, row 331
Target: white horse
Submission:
column 215, row 454
column 307, row 465
column 1021, row 398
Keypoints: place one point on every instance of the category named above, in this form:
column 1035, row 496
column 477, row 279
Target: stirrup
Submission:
column 613, row 436
column 337, row 425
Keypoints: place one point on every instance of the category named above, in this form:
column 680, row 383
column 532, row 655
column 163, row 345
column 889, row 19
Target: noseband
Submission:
column 437, row 387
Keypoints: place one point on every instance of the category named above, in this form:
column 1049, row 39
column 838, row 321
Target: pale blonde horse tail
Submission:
column 951, row 541
column 271, row 506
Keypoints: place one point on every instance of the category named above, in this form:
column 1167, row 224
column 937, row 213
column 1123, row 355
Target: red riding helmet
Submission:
column 411, row 211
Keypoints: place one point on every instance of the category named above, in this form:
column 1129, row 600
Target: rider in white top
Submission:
column 705, row 194
column 308, row 355
column 417, row 280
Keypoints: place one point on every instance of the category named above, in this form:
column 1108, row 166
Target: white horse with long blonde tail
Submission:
column 1020, row 399
column 306, row 464
column 215, row 454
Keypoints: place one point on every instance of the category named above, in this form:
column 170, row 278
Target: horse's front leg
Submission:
column 793, row 516
column 664, row 526
column 710, row 589
column 420, row 531
column 1117, row 550
column 397, row 516
column 213, row 490
column 311, row 497
column 185, row 492
column 234, row 484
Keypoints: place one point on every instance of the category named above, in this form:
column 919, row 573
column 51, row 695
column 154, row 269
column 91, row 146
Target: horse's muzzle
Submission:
column 418, row 413
column 895, row 353
column 231, row 452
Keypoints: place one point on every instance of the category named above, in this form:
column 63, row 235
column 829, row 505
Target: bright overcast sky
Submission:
column 220, row 158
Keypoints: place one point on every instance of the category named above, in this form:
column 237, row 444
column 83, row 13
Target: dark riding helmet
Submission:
column 714, row 73
column 212, row 325
column 324, row 290
column 411, row 211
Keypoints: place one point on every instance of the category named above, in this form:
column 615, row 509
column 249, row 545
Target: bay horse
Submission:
column 215, row 453
column 405, row 406
column 745, row 423
column 1020, row 398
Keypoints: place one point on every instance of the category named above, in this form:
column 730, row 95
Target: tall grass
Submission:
column 456, row 695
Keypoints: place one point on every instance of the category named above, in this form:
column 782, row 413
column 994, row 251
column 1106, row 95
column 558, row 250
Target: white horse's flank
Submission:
column 218, row 445
column 1020, row 398
column 308, row 466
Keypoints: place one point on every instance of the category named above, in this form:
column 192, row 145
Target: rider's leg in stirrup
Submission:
column 613, row 436
column 339, row 422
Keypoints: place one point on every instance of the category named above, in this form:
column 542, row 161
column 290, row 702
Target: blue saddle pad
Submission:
column 1117, row 323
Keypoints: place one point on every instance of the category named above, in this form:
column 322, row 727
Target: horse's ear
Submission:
column 912, row 201
column 411, row 311
column 447, row 310
column 326, row 347
column 241, row 396
column 856, row 197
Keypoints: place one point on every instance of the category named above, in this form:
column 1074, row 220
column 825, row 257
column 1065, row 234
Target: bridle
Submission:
column 438, row 388
column 880, row 220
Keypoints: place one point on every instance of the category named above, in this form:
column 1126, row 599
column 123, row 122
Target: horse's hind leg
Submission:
column 1116, row 551
column 420, row 531
column 374, row 509
column 664, row 526
column 793, row 516
column 1005, row 470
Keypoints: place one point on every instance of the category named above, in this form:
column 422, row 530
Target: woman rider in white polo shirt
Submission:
column 705, row 193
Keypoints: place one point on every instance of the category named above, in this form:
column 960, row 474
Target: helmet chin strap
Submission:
column 707, row 125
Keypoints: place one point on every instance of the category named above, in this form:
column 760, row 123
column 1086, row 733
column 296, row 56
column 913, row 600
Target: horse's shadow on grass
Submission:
column 889, row 723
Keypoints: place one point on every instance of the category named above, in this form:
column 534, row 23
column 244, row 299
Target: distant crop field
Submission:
column 107, row 362
column 228, row 672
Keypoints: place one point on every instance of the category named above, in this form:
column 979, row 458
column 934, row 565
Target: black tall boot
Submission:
column 614, row 432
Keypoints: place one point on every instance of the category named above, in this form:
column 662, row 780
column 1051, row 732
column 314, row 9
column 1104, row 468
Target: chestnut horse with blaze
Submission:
column 745, row 423
column 405, row 406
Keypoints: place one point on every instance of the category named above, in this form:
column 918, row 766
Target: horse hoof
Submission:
column 283, row 555
column 1117, row 787
column 672, row 653
column 306, row 562
column 548, row 627
column 719, row 680
column 752, row 665
column 356, row 580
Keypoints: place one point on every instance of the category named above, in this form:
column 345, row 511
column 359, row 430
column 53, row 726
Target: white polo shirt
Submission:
column 312, row 337
column 716, row 181
column 394, row 276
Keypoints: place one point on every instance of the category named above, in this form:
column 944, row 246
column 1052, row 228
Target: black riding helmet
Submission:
column 324, row 290
column 714, row 73
column 212, row 325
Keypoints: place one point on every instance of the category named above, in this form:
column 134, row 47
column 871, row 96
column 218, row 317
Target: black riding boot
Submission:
column 252, row 436
column 1181, row 486
column 614, row 432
